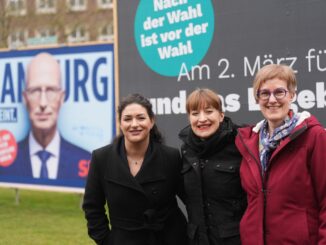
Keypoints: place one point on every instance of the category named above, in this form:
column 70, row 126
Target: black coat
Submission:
column 213, row 194
column 142, row 209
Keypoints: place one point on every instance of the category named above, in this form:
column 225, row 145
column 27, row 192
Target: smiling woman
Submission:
column 137, row 168
column 283, row 167
column 213, row 195
column 135, row 124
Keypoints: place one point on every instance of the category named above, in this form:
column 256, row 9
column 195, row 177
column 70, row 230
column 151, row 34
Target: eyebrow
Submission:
column 129, row 115
column 273, row 89
column 34, row 87
column 203, row 108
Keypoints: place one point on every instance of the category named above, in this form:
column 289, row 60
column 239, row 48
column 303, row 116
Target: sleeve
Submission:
column 94, row 205
column 318, row 171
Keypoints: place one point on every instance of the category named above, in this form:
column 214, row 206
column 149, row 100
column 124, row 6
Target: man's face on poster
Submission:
column 43, row 94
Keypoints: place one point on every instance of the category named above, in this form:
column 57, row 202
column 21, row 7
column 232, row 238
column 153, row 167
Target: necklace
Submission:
column 134, row 161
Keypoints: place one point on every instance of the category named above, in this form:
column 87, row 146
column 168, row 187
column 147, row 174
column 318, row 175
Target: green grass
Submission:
column 41, row 218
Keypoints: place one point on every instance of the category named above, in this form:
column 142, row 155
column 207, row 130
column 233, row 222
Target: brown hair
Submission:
column 268, row 72
column 202, row 97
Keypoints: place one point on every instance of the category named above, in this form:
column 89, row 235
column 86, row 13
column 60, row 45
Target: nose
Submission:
column 202, row 116
column 134, row 122
column 43, row 100
column 272, row 98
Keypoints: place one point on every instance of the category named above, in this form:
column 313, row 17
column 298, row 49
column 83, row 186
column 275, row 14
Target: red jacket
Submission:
column 289, row 206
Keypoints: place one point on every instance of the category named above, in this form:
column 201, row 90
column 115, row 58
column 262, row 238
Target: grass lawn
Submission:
column 41, row 218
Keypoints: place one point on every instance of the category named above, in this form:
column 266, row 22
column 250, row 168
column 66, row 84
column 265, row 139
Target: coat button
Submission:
column 236, row 204
column 154, row 192
column 231, row 167
column 218, row 165
column 195, row 164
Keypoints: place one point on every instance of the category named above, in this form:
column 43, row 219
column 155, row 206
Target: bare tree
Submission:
column 63, row 21
column 5, row 23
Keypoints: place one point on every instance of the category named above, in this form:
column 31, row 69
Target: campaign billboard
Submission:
column 54, row 112
column 167, row 49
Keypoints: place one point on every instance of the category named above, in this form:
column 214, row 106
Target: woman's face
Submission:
column 205, row 121
column 275, row 110
column 135, row 123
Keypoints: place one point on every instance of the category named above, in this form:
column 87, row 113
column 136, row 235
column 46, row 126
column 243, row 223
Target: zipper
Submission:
column 264, row 177
column 264, row 190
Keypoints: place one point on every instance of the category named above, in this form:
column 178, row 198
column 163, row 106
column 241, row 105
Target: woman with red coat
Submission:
column 283, row 168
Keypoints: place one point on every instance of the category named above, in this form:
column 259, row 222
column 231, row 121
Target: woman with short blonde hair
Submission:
column 283, row 167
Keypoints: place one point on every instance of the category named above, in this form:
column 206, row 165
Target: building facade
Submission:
column 28, row 23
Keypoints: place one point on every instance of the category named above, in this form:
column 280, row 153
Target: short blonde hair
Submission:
column 203, row 97
column 280, row 71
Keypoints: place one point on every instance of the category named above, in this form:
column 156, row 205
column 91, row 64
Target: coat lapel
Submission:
column 22, row 165
column 63, row 169
column 153, row 168
column 118, row 172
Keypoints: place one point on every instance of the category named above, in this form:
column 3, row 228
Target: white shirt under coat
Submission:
column 53, row 162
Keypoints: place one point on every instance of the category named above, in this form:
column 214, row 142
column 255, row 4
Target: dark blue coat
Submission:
column 20, row 170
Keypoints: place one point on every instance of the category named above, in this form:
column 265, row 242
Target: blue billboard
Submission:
column 56, row 106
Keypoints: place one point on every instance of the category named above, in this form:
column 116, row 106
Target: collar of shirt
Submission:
column 53, row 147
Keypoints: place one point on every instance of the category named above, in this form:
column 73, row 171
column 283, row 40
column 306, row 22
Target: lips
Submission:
column 135, row 132
column 43, row 116
column 203, row 127
column 273, row 108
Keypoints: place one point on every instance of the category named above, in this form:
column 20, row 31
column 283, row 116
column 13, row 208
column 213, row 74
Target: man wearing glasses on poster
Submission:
column 44, row 153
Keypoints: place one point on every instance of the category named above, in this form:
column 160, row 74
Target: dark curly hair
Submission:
column 155, row 134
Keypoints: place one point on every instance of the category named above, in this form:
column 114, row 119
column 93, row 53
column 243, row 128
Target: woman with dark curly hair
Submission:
column 137, row 177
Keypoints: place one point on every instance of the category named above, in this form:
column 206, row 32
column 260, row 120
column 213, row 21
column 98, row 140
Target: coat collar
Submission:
column 191, row 162
column 302, row 116
column 152, row 170
column 248, row 140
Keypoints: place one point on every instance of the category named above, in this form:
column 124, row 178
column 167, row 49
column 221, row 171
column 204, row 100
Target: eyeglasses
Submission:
column 278, row 93
column 51, row 93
